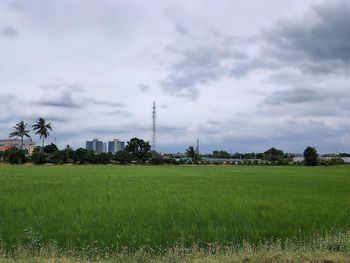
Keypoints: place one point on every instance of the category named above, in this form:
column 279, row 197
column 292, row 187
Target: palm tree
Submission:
column 42, row 128
column 190, row 152
column 20, row 131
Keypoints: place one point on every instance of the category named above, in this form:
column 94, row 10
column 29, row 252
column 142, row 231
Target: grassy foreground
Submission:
column 329, row 248
column 110, row 208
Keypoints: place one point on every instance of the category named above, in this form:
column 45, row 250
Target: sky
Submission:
column 239, row 75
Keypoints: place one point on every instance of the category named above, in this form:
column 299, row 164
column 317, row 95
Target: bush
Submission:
column 332, row 161
column 39, row 158
column 58, row 157
column 15, row 156
column 83, row 156
column 103, row 158
column 156, row 158
column 336, row 161
column 122, row 157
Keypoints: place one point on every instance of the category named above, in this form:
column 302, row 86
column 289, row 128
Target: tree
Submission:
column 83, row 156
column 237, row 156
column 310, row 156
column 138, row 149
column 156, row 158
column 102, row 158
column 221, row 154
column 42, row 128
column 69, row 153
column 51, row 148
column 39, row 157
column 191, row 152
column 274, row 155
column 15, row 156
column 58, row 157
column 20, row 131
column 122, row 157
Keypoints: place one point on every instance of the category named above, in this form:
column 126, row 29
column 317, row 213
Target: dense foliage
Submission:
column 14, row 156
column 138, row 150
column 310, row 156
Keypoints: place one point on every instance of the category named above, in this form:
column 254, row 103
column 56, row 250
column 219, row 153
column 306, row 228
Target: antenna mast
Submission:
column 154, row 116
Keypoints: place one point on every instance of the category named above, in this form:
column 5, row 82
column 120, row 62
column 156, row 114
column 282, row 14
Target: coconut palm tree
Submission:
column 42, row 128
column 20, row 131
column 190, row 152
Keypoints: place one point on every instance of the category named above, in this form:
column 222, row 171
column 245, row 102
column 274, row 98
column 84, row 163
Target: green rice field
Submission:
column 163, row 206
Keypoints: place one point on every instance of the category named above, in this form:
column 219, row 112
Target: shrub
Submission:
column 39, row 158
column 102, row 158
column 15, row 156
column 336, row 161
column 58, row 157
column 122, row 157
column 83, row 156
column 156, row 160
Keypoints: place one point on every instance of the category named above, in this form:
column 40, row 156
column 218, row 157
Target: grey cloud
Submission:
column 9, row 32
column 10, row 119
column 181, row 29
column 294, row 135
column 118, row 112
column 294, row 96
column 15, row 6
column 317, row 43
column 58, row 85
column 104, row 103
column 144, row 87
column 199, row 66
column 64, row 96
column 301, row 106
column 7, row 98
column 171, row 129
column 64, row 99
column 120, row 129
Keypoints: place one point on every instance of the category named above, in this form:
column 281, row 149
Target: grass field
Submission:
column 163, row 206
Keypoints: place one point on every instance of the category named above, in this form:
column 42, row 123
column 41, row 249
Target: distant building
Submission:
column 116, row 146
column 346, row 159
column 4, row 148
column 298, row 159
column 325, row 158
column 95, row 145
column 28, row 145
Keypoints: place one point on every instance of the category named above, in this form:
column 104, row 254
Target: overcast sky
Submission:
column 239, row 75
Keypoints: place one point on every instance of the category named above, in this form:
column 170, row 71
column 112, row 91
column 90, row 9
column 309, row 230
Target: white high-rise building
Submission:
column 115, row 146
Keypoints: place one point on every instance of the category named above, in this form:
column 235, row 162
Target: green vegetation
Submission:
column 20, row 130
column 310, row 155
column 138, row 151
column 42, row 129
column 159, row 207
column 328, row 248
column 14, row 156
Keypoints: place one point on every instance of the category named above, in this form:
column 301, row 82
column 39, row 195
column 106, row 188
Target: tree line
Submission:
column 138, row 151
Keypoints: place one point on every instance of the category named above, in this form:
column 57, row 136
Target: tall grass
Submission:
column 327, row 248
column 117, row 207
